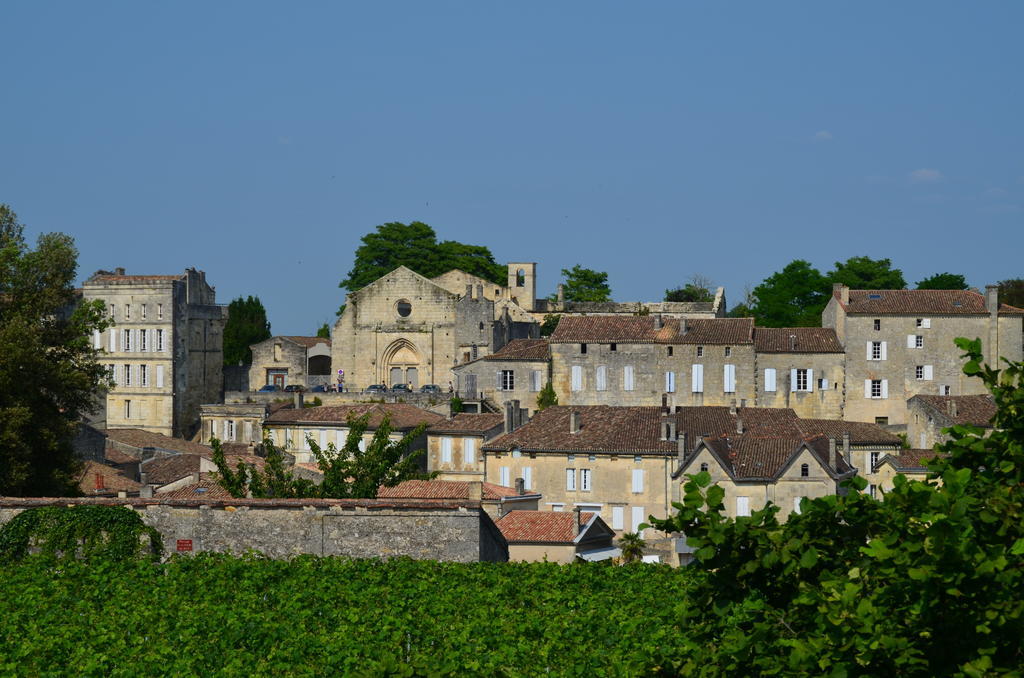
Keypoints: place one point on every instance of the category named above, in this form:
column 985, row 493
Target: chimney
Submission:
column 951, row 407
column 574, row 422
column 842, row 291
column 510, row 416
column 297, row 400
column 578, row 522
column 681, row 444
column 732, row 407
column 992, row 299
column 668, row 428
column 146, row 491
column 119, row 271
column 832, row 453
column 664, row 404
column 658, row 321
column 561, row 295
column 99, row 482
column 520, row 486
column 682, row 326
column 739, row 424
column 792, row 342
column 142, row 477
column 846, row 449
column 476, row 490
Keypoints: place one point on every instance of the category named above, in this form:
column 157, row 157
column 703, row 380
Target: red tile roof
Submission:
column 403, row 416
column 135, row 437
column 548, row 527
column 939, row 302
column 170, row 468
column 308, row 342
column 796, row 340
column 727, row 331
column 861, row 433
column 522, row 349
column 642, row 330
column 910, row 460
column 469, row 423
column 602, row 429
column 442, row 489
column 97, row 479
column 971, row 410
column 204, row 489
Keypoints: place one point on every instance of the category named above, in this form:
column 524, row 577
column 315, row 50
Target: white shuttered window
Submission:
column 618, row 519
column 601, row 378
column 469, row 450
column 769, row 379
column 446, row 450
column 159, row 376
column 570, row 479
column 638, row 517
column 638, row 480
column 527, row 477
column 536, row 378
column 670, row 382
column 698, row 379
column 504, row 477
column 577, row 377
column 627, row 378
column 729, row 374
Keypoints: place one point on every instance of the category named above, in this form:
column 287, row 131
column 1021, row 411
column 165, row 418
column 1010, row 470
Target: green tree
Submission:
column 929, row 581
column 415, row 246
column 49, row 376
column 349, row 473
column 689, row 292
column 943, row 281
column 632, row 546
column 1012, row 292
column 247, row 325
column 324, row 331
column 584, row 284
column 547, row 397
column 865, row 273
column 793, row 297
column 547, row 327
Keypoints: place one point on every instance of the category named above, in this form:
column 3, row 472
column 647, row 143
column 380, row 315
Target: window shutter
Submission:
column 224, row 431
column 824, row 384
column 617, row 517
column 638, row 480
column 638, row 517
column 446, row 450
column 698, row 379
column 769, row 379
column 504, row 477
column 911, row 341
column 928, row 372
column 926, row 322
column 536, row 381
column 670, row 382
column 527, row 477
column 627, row 378
column 497, row 380
column 792, row 380
column 885, row 350
column 323, row 439
column 869, row 350
column 729, row 377
column 577, row 378
column 570, row 479
column 796, row 504
column 885, row 388
column 159, row 376
column 810, row 381
column 742, row 506
column 867, row 388
column 602, row 378
column 469, row 451
column 113, row 340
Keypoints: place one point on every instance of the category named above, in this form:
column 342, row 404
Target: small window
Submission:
column 876, row 388
column 918, row 341
column 876, row 350
column 508, row 380
column 945, row 389
column 585, row 481
column 805, row 471
column 612, row 347
column 481, row 327
column 704, row 467
column 700, row 351
column 143, row 311
column 144, row 375
column 882, row 421
column 670, row 351
column 403, row 308
column 571, row 458
column 127, row 409
column 111, row 311
column 878, row 324
column 638, row 459
column 728, row 351
column 801, row 380
column 592, row 457
column 873, row 491
column 920, row 322
column 583, row 348
column 919, row 372
column 127, row 311
column 127, row 375
column 874, row 296
column 159, row 311
column 874, row 459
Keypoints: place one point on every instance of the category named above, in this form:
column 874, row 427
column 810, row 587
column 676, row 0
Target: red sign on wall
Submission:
column 184, row 544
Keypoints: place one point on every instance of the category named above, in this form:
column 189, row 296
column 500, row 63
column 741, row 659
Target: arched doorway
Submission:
column 401, row 362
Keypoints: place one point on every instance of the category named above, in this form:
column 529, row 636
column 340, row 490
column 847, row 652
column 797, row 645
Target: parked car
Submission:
column 319, row 388
column 376, row 388
column 269, row 388
column 430, row 388
column 401, row 388
column 294, row 388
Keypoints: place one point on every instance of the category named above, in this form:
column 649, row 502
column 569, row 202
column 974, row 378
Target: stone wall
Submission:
column 281, row 528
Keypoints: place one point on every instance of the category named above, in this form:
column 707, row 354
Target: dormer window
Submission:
column 874, row 296
column 805, row 470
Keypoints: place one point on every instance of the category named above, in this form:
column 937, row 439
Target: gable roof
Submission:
column 547, row 527
column 204, row 489
column 101, row 479
column 603, row 428
column 971, row 410
column 796, row 340
column 308, row 342
column 642, row 330
column 909, row 460
column 939, row 302
column 403, row 416
column 403, row 272
column 747, row 457
column 465, row 422
column 522, row 349
column 135, row 437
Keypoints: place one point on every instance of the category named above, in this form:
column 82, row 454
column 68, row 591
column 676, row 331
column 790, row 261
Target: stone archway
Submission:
column 401, row 363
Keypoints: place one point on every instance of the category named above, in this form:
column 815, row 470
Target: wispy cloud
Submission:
column 925, row 176
column 996, row 192
column 823, row 135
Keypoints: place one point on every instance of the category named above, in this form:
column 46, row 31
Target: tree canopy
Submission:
column 324, row 331
column 1012, row 292
column 349, row 473
column 928, row 581
column 415, row 246
column 943, row 281
column 793, row 297
column 689, row 292
column 247, row 325
column 49, row 375
column 865, row 273
column 584, row 284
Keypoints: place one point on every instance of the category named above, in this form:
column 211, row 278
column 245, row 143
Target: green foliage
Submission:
column 1012, row 292
column 49, row 375
column 349, row 473
column 584, row 284
column 943, row 281
column 927, row 582
column 547, row 327
column 689, row 292
column 324, row 331
column 316, row 402
column 793, row 297
column 415, row 246
column 455, row 402
column 547, row 397
column 865, row 273
column 632, row 546
column 247, row 325
column 218, row 615
column 741, row 311
column 86, row 532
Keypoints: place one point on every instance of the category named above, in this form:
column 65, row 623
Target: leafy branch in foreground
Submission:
column 929, row 581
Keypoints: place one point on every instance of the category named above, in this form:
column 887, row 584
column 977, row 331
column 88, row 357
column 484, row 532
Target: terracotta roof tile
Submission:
column 939, row 302
column 602, row 429
column 138, row 438
column 208, row 489
column 169, row 468
column 98, row 479
column 642, row 330
column 115, row 456
column 549, row 527
column 468, row 423
column 134, row 278
column 971, row 410
column 730, row 331
column 861, row 433
column 522, row 349
column 403, row 416
column 308, row 342
column 442, row 489
column 796, row 340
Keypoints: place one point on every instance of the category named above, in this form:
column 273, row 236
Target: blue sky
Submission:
column 260, row 141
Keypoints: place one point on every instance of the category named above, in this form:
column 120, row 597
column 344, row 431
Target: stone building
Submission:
column 454, row 446
column 716, row 308
column 406, row 329
column 544, row 536
column 495, row 499
column 899, row 343
column 518, row 371
column 164, row 350
column 910, row 463
column 800, row 368
column 929, row 415
column 235, row 422
column 283, row 361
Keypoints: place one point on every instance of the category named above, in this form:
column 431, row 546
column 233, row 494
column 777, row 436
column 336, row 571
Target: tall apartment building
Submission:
column 164, row 351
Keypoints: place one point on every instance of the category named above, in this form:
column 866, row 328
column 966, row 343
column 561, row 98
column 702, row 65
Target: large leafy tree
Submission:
column 584, row 284
column 865, row 273
column 1012, row 292
column 49, row 375
column 689, row 292
column 349, row 473
column 416, row 247
column 943, row 281
column 792, row 297
column 928, row 581
column 247, row 325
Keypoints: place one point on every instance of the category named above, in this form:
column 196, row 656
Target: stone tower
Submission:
column 522, row 283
